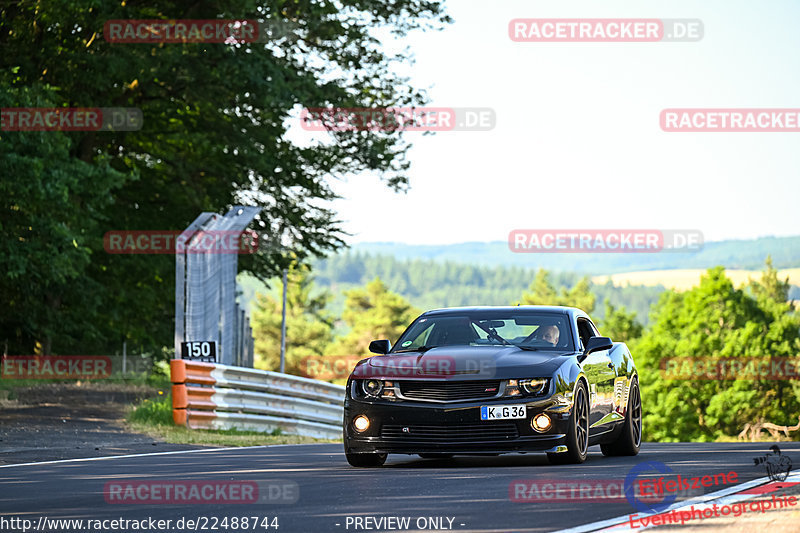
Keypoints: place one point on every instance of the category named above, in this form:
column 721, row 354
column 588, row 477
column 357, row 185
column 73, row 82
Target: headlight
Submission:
column 526, row 387
column 533, row 386
column 372, row 387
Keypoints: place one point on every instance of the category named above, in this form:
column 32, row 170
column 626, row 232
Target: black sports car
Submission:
column 492, row 380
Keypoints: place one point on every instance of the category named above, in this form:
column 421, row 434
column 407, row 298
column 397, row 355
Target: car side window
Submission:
column 585, row 331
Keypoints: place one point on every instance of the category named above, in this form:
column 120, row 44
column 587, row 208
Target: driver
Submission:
column 549, row 334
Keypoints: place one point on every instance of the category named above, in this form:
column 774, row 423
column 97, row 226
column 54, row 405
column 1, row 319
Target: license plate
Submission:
column 502, row 412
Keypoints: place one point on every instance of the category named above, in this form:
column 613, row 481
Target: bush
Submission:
column 156, row 412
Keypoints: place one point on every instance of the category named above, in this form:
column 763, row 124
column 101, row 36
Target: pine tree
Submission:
column 620, row 325
column 372, row 312
column 308, row 325
column 542, row 292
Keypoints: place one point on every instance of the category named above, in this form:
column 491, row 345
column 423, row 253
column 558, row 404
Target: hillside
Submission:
column 733, row 254
column 489, row 274
column 683, row 279
column 429, row 284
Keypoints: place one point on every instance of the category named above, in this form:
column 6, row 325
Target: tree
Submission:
column 308, row 326
column 542, row 292
column 714, row 320
column 216, row 118
column 770, row 289
column 619, row 324
column 48, row 239
column 372, row 312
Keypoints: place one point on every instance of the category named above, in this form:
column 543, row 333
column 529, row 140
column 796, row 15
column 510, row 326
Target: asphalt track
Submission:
column 472, row 491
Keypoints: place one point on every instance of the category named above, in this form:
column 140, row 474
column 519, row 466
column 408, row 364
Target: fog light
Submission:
column 361, row 423
column 541, row 422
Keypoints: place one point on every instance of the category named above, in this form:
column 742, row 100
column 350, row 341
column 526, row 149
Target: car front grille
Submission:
column 449, row 391
column 461, row 433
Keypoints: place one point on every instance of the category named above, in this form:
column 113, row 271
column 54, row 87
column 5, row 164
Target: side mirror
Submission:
column 381, row 347
column 595, row 344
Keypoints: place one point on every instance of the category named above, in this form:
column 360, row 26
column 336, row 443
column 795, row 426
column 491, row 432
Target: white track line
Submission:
column 164, row 453
column 143, row 455
column 724, row 496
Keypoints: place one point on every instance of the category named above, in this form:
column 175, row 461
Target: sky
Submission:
column 578, row 145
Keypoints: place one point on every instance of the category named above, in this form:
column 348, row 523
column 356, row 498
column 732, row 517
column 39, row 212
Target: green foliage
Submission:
column 430, row 284
column 215, row 133
column 717, row 320
column 542, row 292
column 620, row 325
column 637, row 299
column 156, row 412
column 308, row 325
column 770, row 291
column 47, row 239
column 372, row 313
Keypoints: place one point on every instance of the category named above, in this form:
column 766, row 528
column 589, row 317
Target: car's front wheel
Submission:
column 630, row 439
column 365, row 460
column 578, row 432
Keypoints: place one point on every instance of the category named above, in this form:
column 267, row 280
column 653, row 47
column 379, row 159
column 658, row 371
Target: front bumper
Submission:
column 413, row 427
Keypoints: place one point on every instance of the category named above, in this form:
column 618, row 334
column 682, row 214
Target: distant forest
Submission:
column 744, row 254
column 429, row 284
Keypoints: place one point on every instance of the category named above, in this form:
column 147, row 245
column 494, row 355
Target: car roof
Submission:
column 554, row 309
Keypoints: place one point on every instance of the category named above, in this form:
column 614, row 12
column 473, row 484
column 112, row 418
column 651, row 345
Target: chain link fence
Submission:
column 205, row 287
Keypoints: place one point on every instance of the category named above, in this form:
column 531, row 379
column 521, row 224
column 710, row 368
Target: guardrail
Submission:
column 214, row 396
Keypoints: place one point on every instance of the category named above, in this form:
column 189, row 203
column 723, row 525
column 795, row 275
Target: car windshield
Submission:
column 530, row 331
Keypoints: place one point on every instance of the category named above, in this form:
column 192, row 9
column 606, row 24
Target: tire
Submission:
column 436, row 455
column 630, row 439
column 578, row 432
column 365, row 460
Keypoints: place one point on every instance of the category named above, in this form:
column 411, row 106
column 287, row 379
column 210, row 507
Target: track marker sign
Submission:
column 205, row 351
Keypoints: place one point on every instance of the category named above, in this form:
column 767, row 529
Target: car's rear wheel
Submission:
column 578, row 432
column 630, row 439
column 365, row 460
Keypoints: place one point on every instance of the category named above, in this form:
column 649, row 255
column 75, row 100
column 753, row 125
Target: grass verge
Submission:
column 154, row 418
column 155, row 380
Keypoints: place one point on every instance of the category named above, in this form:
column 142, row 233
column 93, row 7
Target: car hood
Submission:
column 464, row 363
